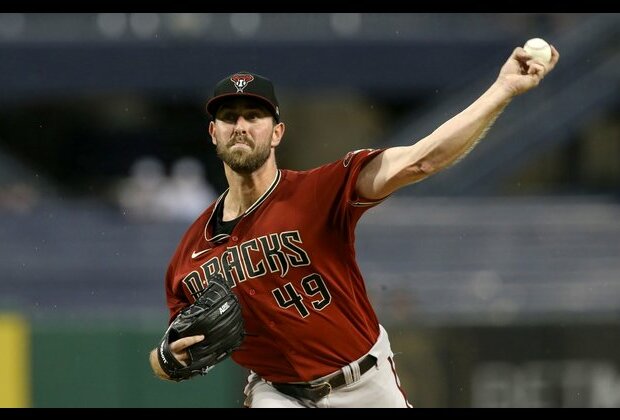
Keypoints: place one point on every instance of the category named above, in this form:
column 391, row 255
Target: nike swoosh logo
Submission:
column 199, row 253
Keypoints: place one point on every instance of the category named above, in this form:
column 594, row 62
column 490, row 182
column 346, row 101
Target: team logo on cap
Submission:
column 241, row 81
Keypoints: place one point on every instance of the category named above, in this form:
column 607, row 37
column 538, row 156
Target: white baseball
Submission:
column 539, row 49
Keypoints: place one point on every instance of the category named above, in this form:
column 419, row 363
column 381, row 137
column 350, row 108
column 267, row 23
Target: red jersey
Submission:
column 291, row 261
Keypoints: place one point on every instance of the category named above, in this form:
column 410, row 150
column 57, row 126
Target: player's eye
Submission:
column 228, row 117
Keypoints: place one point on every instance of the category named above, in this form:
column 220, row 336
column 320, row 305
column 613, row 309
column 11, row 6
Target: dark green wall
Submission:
column 107, row 366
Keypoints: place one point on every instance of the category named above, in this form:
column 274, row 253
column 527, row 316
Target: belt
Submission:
column 315, row 392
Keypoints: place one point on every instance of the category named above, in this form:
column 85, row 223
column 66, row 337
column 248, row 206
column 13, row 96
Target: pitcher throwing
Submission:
column 284, row 242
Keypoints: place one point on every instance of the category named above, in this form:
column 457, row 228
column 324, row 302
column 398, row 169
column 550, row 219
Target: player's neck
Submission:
column 244, row 189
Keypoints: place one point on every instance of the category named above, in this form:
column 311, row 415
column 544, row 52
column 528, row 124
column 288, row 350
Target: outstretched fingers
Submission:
column 178, row 347
column 183, row 343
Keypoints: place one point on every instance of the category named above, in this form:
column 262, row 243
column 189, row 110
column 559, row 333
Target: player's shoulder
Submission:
column 343, row 161
column 297, row 176
column 340, row 166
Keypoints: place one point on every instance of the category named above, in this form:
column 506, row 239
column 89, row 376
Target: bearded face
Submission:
column 244, row 132
column 242, row 154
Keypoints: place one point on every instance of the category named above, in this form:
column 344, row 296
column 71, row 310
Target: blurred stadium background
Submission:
column 499, row 279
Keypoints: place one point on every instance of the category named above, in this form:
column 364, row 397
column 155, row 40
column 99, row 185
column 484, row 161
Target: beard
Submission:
column 241, row 160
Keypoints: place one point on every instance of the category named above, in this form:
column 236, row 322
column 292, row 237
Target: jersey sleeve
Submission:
column 336, row 188
column 355, row 161
column 175, row 303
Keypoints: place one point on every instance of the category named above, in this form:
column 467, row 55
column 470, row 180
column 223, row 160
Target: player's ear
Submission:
column 212, row 132
column 278, row 133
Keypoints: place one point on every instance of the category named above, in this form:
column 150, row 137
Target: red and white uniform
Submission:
column 291, row 261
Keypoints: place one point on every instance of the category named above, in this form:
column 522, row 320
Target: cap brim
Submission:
column 215, row 102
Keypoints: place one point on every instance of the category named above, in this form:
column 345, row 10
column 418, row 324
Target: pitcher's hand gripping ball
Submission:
column 216, row 314
column 539, row 49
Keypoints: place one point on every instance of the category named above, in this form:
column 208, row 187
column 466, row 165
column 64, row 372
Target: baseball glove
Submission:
column 216, row 314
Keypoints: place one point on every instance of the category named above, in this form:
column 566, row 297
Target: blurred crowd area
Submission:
column 150, row 194
column 88, row 96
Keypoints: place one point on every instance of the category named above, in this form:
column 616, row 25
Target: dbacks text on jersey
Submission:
column 273, row 253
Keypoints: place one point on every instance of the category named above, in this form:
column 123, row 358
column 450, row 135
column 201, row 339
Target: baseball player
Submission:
column 284, row 240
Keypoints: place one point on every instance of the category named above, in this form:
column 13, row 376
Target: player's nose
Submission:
column 241, row 124
column 239, row 131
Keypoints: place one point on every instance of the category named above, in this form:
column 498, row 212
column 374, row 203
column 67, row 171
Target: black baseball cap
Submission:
column 244, row 84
